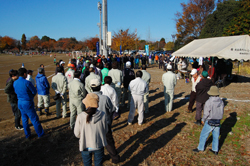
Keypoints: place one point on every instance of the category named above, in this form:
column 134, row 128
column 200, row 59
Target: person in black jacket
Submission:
column 125, row 59
column 128, row 75
column 12, row 98
column 143, row 60
column 201, row 95
column 131, row 59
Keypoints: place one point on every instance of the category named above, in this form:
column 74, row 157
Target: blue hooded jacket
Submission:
column 42, row 84
column 24, row 89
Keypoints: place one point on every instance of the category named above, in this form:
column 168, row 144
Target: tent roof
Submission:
column 228, row 47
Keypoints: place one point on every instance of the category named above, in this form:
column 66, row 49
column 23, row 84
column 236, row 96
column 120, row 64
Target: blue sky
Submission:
column 79, row 18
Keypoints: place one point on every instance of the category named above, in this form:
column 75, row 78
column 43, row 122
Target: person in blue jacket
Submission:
column 25, row 94
column 43, row 87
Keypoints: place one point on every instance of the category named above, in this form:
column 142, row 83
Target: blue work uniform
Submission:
column 25, row 94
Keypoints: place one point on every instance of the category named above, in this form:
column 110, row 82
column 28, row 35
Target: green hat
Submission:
column 204, row 74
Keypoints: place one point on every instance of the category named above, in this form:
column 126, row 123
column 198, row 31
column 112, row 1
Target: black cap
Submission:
column 29, row 71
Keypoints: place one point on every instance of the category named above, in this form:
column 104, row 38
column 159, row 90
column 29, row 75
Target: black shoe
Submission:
column 44, row 136
column 47, row 113
column 196, row 150
column 40, row 113
column 198, row 122
column 116, row 115
column 216, row 153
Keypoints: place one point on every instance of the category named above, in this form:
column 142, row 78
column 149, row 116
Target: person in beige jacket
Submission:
column 77, row 93
column 91, row 76
column 169, row 82
column 59, row 85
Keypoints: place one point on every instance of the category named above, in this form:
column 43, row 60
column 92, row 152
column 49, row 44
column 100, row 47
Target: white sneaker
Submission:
column 129, row 123
column 139, row 124
column 19, row 128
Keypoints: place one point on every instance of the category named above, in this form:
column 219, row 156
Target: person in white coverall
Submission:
column 169, row 82
column 109, row 91
column 138, row 88
column 146, row 77
column 116, row 76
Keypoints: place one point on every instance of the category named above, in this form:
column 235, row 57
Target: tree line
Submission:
column 211, row 18
column 46, row 44
column 128, row 40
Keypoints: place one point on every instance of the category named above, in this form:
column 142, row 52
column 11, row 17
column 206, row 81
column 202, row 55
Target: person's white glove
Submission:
column 62, row 95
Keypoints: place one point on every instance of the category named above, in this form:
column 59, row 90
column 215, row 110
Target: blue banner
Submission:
column 120, row 49
column 97, row 48
column 147, row 49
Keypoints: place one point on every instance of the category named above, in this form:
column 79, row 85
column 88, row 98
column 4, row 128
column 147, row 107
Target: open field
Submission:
column 164, row 138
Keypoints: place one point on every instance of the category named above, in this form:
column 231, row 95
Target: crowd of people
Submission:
column 97, row 87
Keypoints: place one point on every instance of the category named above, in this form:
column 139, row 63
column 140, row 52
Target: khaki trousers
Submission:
column 62, row 101
column 169, row 96
column 43, row 99
column 76, row 107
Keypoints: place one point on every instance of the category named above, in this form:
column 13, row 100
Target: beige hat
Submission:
column 213, row 91
column 91, row 100
column 95, row 82
column 169, row 67
column 194, row 71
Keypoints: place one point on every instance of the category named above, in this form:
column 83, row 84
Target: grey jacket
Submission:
column 146, row 76
column 59, row 83
column 106, row 106
column 92, row 134
column 213, row 109
column 76, row 90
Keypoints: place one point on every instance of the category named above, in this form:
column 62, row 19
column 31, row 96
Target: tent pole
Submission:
column 212, row 63
column 238, row 67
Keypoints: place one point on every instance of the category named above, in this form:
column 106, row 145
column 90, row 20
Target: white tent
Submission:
column 228, row 47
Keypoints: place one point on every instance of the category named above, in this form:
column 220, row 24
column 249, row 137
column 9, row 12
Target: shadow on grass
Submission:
column 152, row 145
column 55, row 149
column 181, row 102
column 226, row 128
column 142, row 136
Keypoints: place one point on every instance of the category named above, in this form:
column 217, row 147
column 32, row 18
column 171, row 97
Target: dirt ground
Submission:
column 164, row 138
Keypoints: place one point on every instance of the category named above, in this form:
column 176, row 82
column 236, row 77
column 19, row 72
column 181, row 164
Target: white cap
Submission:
column 62, row 62
column 95, row 82
column 128, row 63
column 169, row 67
column 194, row 71
column 91, row 65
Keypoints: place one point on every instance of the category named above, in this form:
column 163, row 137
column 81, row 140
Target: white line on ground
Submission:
column 47, row 77
column 187, row 98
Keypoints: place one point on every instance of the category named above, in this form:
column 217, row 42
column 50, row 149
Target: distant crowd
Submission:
column 97, row 88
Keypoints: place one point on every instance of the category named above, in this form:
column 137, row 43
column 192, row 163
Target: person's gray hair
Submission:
column 40, row 70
